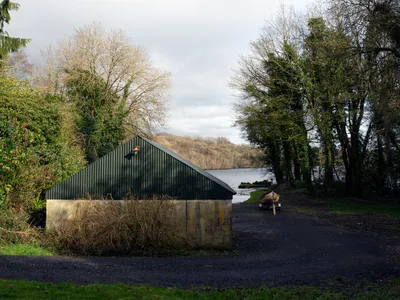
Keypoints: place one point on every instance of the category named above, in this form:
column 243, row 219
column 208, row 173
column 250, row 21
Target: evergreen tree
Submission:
column 8, row 44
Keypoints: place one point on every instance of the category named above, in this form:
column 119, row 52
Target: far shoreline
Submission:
column 224, row 169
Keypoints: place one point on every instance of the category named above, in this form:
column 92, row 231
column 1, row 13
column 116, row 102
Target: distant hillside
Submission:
column 211, row 153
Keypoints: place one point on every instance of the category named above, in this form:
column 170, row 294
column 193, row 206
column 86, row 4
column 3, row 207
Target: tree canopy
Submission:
column 329, row 82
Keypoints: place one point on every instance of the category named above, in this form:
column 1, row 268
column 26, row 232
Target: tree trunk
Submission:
column 353, row 171
column 328, row 172
column 288, row 163
column 381, row 165
column 389, row 160
column 296, row 163
column 274, row 152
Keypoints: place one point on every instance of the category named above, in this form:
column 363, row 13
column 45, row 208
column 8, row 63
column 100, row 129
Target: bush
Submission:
column 14, row 228
column 37, row 143
column 112, row 227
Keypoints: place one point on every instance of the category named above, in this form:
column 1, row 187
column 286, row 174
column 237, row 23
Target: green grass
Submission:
column 20, row 249
column 356, row 206
column 19, row 289
column 254, row 196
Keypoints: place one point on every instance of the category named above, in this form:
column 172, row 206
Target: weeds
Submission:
column 15, row 229
column 111, row 227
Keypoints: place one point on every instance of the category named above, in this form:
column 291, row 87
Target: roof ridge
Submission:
column 190, row 164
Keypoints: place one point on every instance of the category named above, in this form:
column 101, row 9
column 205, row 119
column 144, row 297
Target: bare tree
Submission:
column 18, row 65
column 127, row 70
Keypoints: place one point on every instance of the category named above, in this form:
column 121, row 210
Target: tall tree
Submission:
column 382, row 48
column 317, row 87
column 337, row 98
column 125, row 69
column 271, row 110
column 375, row 35
column 8, row 44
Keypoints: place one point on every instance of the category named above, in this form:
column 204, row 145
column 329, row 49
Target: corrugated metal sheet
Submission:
column 155, row 170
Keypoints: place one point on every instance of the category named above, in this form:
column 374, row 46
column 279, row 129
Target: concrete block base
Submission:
column 204, row 223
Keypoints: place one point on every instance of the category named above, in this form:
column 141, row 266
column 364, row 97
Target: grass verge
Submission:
column 357, row 206
column 20, row 289
column 254, row 196
column 21, row 249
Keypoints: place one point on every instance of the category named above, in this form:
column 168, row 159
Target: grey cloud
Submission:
column 198, row 41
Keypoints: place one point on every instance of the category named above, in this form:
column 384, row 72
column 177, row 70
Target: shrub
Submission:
column 37, row 143
column 14, row 228
column 111, row 227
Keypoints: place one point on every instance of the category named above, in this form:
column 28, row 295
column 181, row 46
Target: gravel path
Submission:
column 275, row 250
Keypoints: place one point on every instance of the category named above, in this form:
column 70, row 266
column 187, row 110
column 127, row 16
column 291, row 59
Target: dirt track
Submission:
column 287, row 249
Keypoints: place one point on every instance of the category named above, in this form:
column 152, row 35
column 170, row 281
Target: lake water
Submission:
column 233, row 177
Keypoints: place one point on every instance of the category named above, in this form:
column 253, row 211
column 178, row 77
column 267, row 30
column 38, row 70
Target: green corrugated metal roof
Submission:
column 193, row 166
column 155, row 170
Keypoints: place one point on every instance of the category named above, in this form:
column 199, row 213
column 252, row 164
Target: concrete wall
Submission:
column 204, row 223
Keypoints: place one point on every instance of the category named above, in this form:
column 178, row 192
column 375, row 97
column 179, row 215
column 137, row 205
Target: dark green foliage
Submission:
column 35, row 144
column 255, row 184
column 275, row 120
column 100, row 111
column 8, row 44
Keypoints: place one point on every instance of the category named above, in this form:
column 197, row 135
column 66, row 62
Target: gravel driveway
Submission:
column 286, row 249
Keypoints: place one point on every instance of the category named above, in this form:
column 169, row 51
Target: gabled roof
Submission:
column 193, row 166
column 155, row 170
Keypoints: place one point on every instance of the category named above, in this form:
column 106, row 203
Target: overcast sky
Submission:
column 198, row 41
